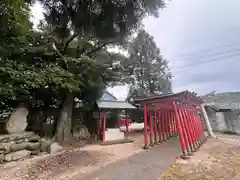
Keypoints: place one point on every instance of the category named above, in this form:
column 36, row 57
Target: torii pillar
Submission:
column 207, row 122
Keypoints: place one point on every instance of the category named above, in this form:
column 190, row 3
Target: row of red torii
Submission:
column 173, row 115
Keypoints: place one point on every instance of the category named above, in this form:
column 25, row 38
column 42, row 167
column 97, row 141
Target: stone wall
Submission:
column 17, row 140
column 17, row 146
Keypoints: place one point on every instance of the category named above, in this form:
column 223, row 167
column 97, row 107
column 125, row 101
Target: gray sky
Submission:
column 191, row 32
column 201, row 41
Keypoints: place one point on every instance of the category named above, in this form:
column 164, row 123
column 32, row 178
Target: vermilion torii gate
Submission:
column 171, row 115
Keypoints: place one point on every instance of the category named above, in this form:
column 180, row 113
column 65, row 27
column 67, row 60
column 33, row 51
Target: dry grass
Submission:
column 218, row 159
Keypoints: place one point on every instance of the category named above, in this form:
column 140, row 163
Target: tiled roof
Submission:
column 233, row 105
column 228, row 100
column 165, row 97
column 115, row 105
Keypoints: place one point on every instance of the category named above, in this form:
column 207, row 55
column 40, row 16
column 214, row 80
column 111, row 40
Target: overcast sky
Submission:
column 200, row 39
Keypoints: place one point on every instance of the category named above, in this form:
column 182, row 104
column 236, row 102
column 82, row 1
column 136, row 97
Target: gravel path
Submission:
column 146, row 165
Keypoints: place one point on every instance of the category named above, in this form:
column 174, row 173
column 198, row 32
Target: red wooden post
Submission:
column 185, row 131
column 195, row 129
column 201, row 132
column 190, row 130
column 167, row 123
column 163, row 117
column 145, row 126
column 151, row 128
column 203, row 137
column 198, row 129
column 159, row 127
column 98, row 126
column 155, row 127
column 180, row 133
column 171, row 123
column 127, row 124
column 104, row 127
column 175, row 125
column 173, row 128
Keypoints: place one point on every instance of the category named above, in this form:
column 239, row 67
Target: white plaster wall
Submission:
column 114, row 134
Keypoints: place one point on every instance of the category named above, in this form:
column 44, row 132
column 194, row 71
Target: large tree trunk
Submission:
column 64, row 126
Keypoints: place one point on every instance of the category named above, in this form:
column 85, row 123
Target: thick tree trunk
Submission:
column 64, row 126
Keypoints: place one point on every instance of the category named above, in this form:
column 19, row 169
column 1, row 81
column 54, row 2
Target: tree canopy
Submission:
column 98, row 23
column 98, row 20
column 148, row 68
column 68, row 57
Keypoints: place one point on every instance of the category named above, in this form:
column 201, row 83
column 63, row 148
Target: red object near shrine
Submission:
column 159, row 128
column 150, row 128
column 155, row 127
column 174, row 114
column 104, row 126
column 162, row 125
column 126, row 123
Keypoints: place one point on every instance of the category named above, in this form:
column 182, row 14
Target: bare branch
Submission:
column 69, row 41
column 60, row 54
column 97, row 48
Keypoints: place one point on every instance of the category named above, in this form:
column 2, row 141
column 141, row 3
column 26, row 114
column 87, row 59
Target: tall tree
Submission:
column 98, row 22
column 149, row 69
column 31, row 67
column 15, row 26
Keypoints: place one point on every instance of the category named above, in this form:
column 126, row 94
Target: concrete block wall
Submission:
column 221, row 124
column 232, row 119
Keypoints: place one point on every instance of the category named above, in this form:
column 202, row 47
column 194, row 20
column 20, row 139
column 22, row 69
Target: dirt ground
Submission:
column 70, row 163
column 217, row 159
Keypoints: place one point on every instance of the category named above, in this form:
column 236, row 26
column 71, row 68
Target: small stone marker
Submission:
column 17, row 122
column 55, row 147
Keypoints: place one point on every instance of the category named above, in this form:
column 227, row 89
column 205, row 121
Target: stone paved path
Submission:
column 147, row 165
